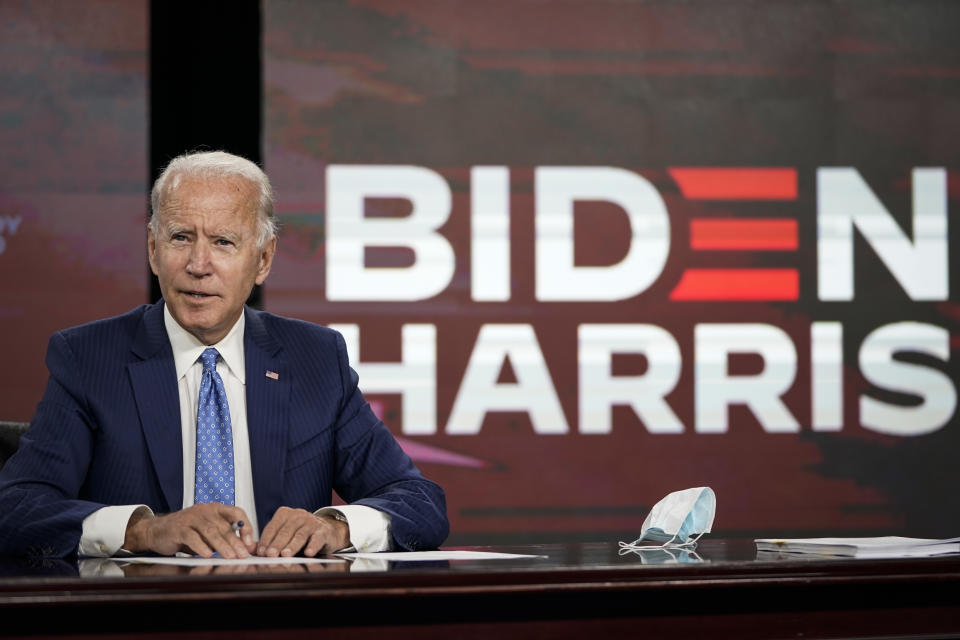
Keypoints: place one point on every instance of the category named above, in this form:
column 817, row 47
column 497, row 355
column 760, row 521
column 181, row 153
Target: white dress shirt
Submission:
column 105, row 529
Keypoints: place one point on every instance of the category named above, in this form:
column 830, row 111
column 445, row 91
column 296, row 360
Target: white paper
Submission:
column 876, row 547
column 414, row 556
column 863, row 543
column 213, row 562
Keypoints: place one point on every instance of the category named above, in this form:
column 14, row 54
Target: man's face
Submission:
column 205, row 253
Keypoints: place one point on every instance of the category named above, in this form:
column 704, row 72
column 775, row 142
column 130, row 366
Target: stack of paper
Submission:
column 883, row 547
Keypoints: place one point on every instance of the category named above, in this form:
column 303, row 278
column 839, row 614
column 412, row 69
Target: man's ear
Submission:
column 266, row 260
column 152, row 251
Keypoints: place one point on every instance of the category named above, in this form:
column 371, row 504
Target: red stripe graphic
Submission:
column 764, row 234
column 737, row 284
column 698, row 183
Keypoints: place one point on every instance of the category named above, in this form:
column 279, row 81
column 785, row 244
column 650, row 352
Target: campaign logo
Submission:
column 846, row 207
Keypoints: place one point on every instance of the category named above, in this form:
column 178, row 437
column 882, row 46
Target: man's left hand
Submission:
column 293, row 530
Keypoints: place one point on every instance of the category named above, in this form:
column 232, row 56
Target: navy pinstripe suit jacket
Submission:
column 107, row 432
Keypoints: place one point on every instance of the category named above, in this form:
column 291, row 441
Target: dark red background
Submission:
column 646, row 86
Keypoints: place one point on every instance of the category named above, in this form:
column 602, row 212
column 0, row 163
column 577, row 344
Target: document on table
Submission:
column 406, row 556
column 880, row 547
column 414, row 556
column 193, row 561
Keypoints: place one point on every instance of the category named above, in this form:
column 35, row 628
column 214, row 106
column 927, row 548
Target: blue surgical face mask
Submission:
column 678, row 520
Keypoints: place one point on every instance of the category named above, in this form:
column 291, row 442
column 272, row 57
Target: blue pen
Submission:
column 236, row 526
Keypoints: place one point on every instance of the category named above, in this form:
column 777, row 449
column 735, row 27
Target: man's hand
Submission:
column 202, row 529
column 291, row 530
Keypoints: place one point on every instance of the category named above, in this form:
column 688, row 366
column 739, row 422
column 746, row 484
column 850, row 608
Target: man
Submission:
column 223, row 418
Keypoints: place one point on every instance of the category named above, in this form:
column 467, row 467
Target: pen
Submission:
column 236, row 526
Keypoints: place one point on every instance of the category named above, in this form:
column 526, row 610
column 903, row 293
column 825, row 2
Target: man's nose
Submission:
column 199, row 263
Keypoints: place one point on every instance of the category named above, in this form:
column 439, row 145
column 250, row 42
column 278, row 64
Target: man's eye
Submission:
column 178, row 237
column 224, row 243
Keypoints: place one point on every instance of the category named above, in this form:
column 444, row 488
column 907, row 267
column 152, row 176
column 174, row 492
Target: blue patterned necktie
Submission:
column 214, row 479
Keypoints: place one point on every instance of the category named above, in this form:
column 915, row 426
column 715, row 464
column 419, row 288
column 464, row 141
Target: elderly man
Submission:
column 196, row 423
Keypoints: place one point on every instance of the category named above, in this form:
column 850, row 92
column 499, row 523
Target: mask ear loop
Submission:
column 629, row 547
column 691, row 543
column 691, row 554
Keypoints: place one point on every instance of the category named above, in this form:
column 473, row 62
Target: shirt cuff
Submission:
column 105, row 529
column 369, row 528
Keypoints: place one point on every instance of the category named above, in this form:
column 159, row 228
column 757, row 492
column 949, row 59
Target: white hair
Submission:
column 216, row 164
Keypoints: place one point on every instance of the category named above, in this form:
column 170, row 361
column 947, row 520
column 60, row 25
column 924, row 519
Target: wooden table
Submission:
column 576, row 589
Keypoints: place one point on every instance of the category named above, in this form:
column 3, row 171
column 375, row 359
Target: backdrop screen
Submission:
column 588, row 253
column 73, row 176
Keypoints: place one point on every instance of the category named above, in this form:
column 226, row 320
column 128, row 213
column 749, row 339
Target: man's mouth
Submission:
column 198, row 295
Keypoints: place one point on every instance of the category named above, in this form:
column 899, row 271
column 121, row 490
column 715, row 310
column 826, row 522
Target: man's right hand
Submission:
column 202, row 529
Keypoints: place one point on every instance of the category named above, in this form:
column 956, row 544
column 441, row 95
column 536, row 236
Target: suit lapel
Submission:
column 154, row 380
column 268, row 401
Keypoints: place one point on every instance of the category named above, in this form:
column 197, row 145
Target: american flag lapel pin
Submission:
column 273, row 375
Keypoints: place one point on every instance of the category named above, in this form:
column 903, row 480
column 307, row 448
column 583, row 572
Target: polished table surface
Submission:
column 725, row 589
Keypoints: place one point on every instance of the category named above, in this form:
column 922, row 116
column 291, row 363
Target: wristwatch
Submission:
column 337, row 515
